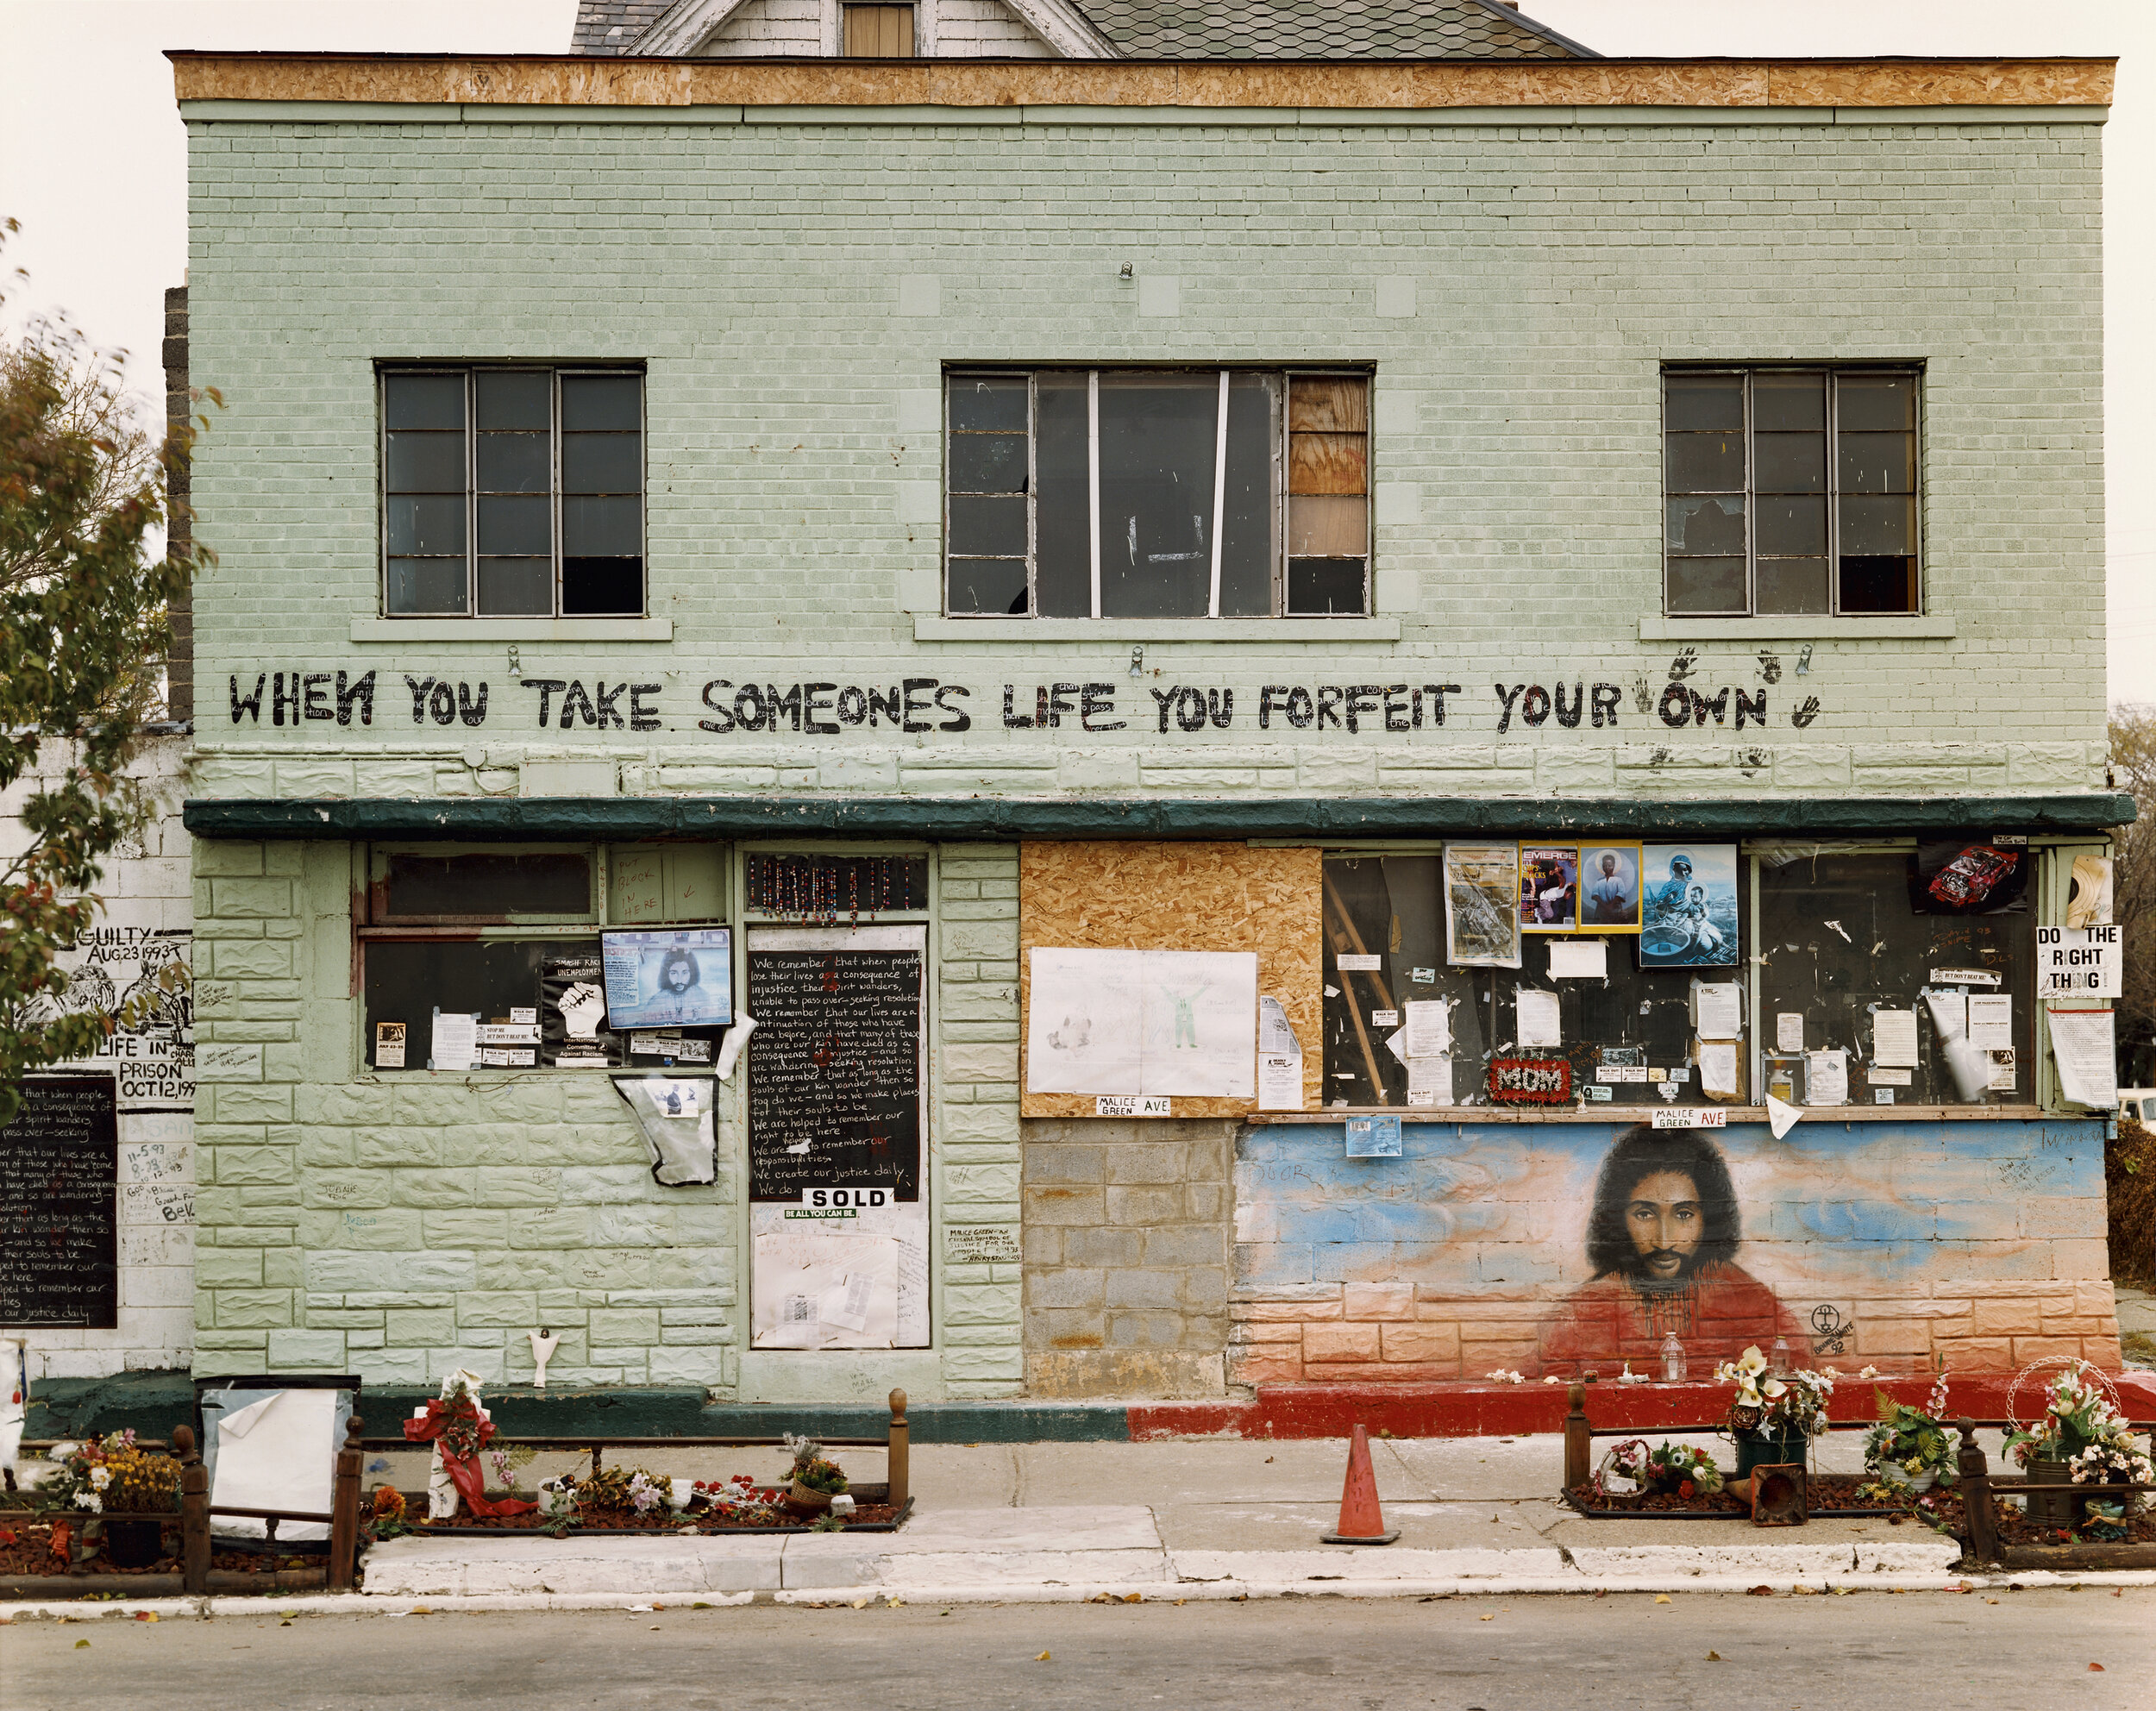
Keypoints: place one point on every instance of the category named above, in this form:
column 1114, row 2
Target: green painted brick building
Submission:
column 670, row 468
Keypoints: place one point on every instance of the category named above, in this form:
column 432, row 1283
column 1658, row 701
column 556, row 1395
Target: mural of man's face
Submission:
column 1665, row 1223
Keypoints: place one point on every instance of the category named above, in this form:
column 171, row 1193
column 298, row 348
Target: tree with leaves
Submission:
column 2134, row 892
column 85, row 634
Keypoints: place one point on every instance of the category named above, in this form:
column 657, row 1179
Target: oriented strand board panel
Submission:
column 1118, row 896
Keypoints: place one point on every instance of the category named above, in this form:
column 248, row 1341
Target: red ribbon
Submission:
column 463, row 1473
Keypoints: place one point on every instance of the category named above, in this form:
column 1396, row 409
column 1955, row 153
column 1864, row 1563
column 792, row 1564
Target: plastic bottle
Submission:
column 1672, row 1360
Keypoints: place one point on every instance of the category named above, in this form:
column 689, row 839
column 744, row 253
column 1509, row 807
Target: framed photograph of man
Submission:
column 1689, row 906
column 1549, row 888
column 1609, row 888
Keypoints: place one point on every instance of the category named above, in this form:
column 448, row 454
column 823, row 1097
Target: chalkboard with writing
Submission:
column 835, row 1063
column 59, row 1237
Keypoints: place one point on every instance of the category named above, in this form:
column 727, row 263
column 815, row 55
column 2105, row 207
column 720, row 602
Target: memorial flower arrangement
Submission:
column 386, row 1513
column 1678, row 1468
column 1771, row 1405
column 737, row 1499
column 813, row 1469
column 2082, row 1426
column 110, row 1475
column 1911, row 1449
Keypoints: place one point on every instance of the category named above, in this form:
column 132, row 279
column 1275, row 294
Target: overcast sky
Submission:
column 93, row 162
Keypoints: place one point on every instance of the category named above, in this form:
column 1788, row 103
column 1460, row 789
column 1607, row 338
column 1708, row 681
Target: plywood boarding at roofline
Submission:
column 1119, row 896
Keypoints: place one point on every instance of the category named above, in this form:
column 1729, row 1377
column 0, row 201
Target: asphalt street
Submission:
column 1912, row 1650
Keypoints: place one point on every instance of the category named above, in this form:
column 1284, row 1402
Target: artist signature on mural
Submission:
column 1833, row 1331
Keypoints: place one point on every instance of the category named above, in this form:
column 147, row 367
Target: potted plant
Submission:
column 2080, row 1439
column 1772, row 1417
column 1911, row 1450
column 815, row 1479
column 125, row 1490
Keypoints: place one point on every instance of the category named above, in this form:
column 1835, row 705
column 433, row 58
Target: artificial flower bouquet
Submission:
column 1912, row 1449
column 1770, row 1406
column 1676, row 1469
column 2082, row 1426
column 111, row 1475
column 813, row 1469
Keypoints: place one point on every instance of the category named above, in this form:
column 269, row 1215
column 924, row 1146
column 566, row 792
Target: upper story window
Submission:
column 1156, row 493
column 878, row 33
column 512, row 492
column 1790, row 490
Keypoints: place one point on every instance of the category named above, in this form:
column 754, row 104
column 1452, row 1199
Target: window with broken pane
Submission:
column 1790, row 491
column 512, row 492
column 1159, row 492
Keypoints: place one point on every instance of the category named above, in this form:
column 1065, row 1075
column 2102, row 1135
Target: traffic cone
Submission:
column 1361, row 1522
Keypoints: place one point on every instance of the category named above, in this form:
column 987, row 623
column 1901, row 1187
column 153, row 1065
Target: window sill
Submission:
column 1626, row 1114
column 930, row 628
column 1797, row 628
column 512, row 629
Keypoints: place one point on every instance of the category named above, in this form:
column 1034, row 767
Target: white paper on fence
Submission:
column 1718, row 1010
column 1782, row 1117
column 1990, row 1021
column 1279, row 1059
column 1894, row 1038
column 852, row 1280
column 904, row 1222
column 1718, row 1068
column 1949, row 1013
column 677, row 1125
column 1200, row 1036
column 1429, row 1078
column 1429, row 1028
column 279, row 1453
column 1789, row 1030
column 1536, row 1015
column 454, row 1040
column 2082, row 1045
column 1396, row 1043
column 1084, row 1025
column 1579, row 959
column 1827, row 1077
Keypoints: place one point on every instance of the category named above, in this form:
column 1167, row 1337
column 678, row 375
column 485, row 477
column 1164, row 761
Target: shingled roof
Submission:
column 1230, row 29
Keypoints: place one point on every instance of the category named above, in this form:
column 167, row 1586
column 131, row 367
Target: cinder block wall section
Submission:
column 1126, row 1257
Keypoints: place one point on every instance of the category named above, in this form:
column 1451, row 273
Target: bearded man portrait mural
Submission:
column 1662, row 1243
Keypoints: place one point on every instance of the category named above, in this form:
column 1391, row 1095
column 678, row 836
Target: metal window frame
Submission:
column 1834, row 373
column 469, row 374
column 1277, row 572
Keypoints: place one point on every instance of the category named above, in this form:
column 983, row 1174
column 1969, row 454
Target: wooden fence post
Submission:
column 194, row 1514
column 1579, row 1442
column 344, row 1510
column 1976, row 1496
column 900, row 1457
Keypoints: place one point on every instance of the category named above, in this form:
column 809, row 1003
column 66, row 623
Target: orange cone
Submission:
column 1361, row 1522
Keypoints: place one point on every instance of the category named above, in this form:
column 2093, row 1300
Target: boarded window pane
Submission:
column 990, row 526
column 1791, row 463
column 1705, row 463
column 1321, row 404
column 595, row 586
column 1157, row 444
column 514, row 463
column 1876, row 463
column 1879, row 583
column 1706, row 402
column 602, row 463
column 1698, row 585
column 432, row 887
column 1327, row 463
column 994, row 402
column 521, row 398
column 1064, row 578
column 1328, row 528
column 515, row 586
column 1328, row 587
column 879, row 32
column 1868, row 401
column 599, row 401
column 516, row 527
column 425, row 463
column 1789, row 402
column 1707, row 527
column 421, row 525
column 419, row 586
column 422, row 401
column 607, row 527
column 1790, row 526
column 1249, row 544
column 987, row 463
column 987, row 587
column 1790, row 585
column 1879, row 525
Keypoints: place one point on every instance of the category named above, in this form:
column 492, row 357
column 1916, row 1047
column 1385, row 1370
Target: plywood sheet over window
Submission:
column 1117, row 896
